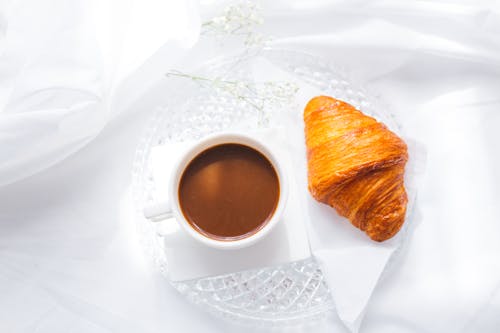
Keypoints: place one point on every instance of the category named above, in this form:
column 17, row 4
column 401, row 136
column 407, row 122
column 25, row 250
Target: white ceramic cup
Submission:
column 172, row 208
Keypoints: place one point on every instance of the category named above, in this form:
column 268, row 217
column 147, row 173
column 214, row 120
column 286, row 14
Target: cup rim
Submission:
column 219, row 139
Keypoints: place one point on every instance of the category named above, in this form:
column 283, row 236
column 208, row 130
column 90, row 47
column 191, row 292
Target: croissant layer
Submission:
column 356, row 165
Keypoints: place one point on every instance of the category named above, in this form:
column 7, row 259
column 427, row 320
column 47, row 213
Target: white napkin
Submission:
column 187, row 259
column 351, row 262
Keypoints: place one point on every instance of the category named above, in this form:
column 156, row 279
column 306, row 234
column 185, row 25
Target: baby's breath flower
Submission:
column 258, row 95
column 238, row 19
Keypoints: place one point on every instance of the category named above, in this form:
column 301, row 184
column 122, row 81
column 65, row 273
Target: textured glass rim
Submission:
column 140, row 165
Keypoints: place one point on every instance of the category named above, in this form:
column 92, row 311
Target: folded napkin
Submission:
column 188, row 259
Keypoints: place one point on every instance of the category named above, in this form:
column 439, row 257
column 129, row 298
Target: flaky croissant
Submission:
column 356, row 165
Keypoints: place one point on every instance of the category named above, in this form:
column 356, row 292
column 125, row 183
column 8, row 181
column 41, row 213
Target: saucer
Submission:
column 292, row 293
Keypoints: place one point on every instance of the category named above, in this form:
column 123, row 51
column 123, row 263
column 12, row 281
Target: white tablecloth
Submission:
column 73, row 102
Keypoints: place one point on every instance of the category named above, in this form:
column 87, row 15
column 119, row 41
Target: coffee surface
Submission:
column 229, row 191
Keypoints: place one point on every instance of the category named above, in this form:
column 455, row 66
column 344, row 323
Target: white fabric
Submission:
column 61, row 63
column 70, row 262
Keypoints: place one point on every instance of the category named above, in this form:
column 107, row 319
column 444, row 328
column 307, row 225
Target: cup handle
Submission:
column 158, row 212
column 171, row 236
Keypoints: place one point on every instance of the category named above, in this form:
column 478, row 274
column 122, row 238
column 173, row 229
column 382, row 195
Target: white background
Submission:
column 72, row 79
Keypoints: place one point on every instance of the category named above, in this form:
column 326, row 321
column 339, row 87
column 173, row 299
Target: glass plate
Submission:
column 222, row 96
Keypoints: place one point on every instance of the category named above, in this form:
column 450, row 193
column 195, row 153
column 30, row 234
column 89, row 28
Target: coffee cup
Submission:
column 235, row 182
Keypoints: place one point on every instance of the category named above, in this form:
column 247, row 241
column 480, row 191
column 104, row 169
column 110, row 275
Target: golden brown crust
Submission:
column 356, row 165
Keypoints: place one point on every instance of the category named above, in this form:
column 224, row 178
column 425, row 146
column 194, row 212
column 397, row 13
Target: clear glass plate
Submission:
column 222, row 96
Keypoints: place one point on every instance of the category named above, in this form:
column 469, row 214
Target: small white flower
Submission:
column 219, row 20
column 237, row 19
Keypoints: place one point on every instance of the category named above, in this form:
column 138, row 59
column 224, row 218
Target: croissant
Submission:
column 356, row 165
